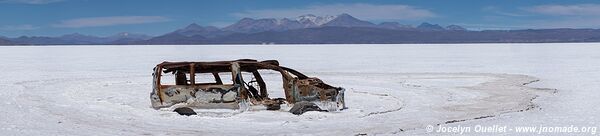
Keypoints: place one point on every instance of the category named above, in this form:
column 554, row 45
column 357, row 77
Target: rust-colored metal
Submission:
column 217, row 78
column 192, row 74
column 157, row 78
column 297, row 87
column 261, row 84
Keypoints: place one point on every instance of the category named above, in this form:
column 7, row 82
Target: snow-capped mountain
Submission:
column 311, row 20
column 249, row 25
column 245, row 28
column 194, row 33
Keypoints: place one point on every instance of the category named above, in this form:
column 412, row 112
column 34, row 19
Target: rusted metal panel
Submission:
column 192, row 74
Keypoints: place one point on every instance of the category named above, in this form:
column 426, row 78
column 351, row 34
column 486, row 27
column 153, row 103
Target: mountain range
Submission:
column 4, row 42
column 339, row 29
column 76, row 39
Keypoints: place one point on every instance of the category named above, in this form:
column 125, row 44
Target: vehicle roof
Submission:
column 247, row 65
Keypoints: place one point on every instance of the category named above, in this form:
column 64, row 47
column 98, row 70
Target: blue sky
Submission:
column 156, row 17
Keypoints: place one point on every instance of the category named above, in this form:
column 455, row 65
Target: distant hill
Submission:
column 345, row 20
column 173, row 38
column 76, row 38
column 39, row 40
column 430, row 27
column 4, row 42
column 455, row 28
column 365, row 35
column 197, row 30
column 395, row 26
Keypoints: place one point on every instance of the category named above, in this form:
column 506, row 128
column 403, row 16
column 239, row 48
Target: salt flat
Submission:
column 391, row 89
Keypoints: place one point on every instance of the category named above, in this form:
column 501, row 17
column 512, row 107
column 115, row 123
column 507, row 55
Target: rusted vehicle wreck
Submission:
column 302, row 93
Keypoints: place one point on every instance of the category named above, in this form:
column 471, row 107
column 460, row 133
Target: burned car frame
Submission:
column 302, row 93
